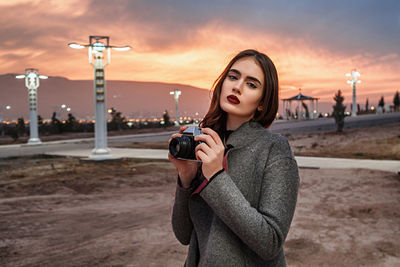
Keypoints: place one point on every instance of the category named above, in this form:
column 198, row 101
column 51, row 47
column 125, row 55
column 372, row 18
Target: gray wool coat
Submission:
column 243, row 215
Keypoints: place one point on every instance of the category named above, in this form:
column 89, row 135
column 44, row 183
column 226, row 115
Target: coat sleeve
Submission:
column 181, row 223
column 263, row 229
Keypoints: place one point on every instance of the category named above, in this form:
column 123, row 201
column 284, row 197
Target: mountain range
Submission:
column 133, row 99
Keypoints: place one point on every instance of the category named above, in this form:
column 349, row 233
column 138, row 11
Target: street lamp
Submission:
column 64, row 107
column 1, row 119
column 32, row 79
column 176, row 94
column 353, row 80
column 97, row 45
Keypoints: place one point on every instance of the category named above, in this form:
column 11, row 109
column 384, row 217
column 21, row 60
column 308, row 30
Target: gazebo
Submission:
column 301, row 109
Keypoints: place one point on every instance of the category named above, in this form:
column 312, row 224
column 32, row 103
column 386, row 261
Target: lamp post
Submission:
column 67, row 109
column 1, row 119
column 176, row 94
column 32, row 79
column 97, row 45
column 353, row 80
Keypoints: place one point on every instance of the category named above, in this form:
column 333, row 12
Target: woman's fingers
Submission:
column 182, row 129
column 204, row 148
column 217, row 140
column 206, row 138
column 200, row 155
column 174, row 136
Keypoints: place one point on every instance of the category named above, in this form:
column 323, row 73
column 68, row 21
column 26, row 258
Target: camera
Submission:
column 184, row 147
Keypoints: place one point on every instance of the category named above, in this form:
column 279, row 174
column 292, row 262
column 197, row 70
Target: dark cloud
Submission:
column 345, row 26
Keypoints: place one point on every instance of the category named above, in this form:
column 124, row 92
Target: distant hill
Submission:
column 133, row 99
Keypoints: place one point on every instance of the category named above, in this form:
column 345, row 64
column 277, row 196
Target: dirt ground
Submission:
column 378, row 142
column 57, row 211
column 65, row 212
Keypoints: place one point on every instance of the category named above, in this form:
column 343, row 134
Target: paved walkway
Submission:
column 303, row 162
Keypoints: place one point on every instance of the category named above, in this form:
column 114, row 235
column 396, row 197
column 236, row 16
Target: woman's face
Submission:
column 242, row 90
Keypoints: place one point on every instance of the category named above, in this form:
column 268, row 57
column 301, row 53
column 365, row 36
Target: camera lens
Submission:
column 181, row 147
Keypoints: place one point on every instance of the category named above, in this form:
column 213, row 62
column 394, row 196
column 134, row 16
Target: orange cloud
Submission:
column 195, row 57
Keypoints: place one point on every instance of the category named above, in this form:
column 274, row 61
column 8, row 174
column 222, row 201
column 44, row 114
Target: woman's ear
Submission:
column 260, row 108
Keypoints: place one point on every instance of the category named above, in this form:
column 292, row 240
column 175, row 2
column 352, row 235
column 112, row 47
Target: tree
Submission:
column 117, row 120
column 71, row 122
column 166, row 119
column 40, row 123
column 40, row 120
column 381, row 102
column 21, row 126
column 56, row 124
column 338, row 111
column 306, row 108
column 366, row 105
column 396, row 101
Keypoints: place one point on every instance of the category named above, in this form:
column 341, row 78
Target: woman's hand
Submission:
column 186, row 169
column 211, row 152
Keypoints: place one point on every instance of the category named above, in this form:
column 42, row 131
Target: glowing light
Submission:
column 76, row 46
column 99, row 47
column 124, row 48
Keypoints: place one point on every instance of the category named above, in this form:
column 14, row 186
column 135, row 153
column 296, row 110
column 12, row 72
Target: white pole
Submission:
column 32, row 79
column 353, row 80
column 101, row 151
column 354, row 109
column 312, row 114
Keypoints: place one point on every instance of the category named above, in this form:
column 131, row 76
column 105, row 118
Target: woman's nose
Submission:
column 237, row 88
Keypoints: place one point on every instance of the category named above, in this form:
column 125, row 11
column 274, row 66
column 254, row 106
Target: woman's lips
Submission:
column 233, row 99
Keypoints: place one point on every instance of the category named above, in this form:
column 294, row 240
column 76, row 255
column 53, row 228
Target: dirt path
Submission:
column 62, row 212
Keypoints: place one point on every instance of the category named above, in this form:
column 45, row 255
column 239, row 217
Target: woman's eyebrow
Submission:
column 254, row 79
column 235, row 71
column 248, row 77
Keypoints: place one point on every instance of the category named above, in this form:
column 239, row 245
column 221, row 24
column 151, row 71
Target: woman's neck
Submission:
column 233, row 122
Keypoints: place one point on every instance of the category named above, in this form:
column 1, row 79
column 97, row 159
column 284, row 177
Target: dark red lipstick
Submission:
column 233, row 99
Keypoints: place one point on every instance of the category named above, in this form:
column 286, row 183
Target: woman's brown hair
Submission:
column 216, row 117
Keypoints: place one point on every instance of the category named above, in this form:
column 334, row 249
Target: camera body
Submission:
column 184, row 147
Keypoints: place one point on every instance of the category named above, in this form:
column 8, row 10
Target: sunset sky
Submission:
column 313, row 43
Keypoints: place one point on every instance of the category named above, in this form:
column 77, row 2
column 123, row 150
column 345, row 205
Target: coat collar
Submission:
column 245, row 134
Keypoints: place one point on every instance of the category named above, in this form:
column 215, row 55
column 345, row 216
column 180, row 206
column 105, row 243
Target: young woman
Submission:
column 235, row 208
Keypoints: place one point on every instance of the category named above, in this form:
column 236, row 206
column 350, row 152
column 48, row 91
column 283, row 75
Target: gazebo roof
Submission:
column 300, row 96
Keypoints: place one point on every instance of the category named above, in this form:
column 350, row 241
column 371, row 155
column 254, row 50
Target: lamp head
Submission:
column 76, row 46
column 98, row 47
column 123, row 48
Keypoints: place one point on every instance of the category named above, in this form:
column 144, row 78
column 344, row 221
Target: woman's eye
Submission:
column 252, row 85
column 232, row 77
